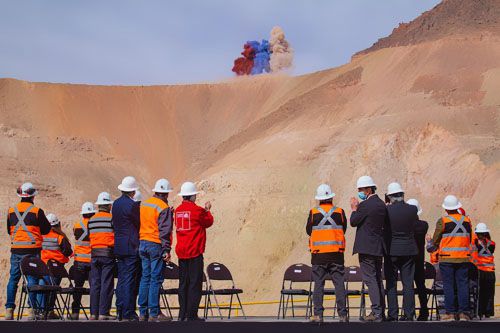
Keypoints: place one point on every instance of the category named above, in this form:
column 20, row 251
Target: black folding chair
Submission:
column 435, row 291
column 206, row 294
column 474, row 290
column 219, row 272
column 295, row 274
column 36, row 268
column 82, row 291
column 353, row 276
column 170, row 273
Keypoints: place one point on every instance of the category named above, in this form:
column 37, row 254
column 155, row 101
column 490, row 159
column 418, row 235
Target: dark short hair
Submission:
column 326, row 201
column 374, row 188
column 187, row 197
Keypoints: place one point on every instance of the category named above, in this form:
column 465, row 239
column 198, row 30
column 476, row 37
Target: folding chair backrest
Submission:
column 33, row 266
column 72, row 274
column 429, row 271
column 298, row 273
column 171, row 272
column 57, row 270
column 218, row 272
column 353, row 274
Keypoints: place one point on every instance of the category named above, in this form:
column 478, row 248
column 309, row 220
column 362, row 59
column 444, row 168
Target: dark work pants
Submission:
column 190, row 286
column 101, row 285
column 405, row 265
column 320, row 273
column 420, row 286
column 455, row 283
column 371, row 270
column 82, row 272
column 486, row 293
column 126, row 286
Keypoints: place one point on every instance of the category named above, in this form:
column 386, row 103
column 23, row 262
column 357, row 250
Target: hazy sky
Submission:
column 159, row 41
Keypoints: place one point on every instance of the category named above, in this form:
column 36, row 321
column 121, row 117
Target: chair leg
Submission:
column 241, row 306
column 285, row 308
column 22, row 300
column 293, row 308
column 217, row 305
column 230, row 307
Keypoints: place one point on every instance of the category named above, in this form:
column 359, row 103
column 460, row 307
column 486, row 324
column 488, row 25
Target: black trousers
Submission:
column 405, row 265
column 371, row 270
column 82, row 271
column 486, row 293
column 101, row 285
column 420, row 286
column 190, row 287
column 335, row 272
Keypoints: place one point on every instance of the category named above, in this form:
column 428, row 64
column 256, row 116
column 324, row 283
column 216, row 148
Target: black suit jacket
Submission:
column 400, row 236
column 370, row 220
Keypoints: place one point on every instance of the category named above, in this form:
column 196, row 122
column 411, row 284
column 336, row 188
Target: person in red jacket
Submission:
column 191, row 222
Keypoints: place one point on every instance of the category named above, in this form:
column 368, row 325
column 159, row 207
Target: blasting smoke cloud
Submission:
column 281, row 52
column 266, row 56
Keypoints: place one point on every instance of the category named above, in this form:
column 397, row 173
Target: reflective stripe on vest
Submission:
column 327, row 237
column 20, row 224
column 82, row 255
column 152, row 205
column 80, row 241
column 458, row 227
column 485, row 251
column 50, row 243
column 485, row 260
column 101, row 224
column 457, row 243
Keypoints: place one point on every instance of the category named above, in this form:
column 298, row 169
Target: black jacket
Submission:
column 370, row 219
column 126, row 224
column 421, row 230
column 400, row 235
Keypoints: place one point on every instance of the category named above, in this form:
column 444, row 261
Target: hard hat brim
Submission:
column 187, row 194
column 103, row 203
column 394, row 192
column 459, row 205
column 161, row 190
column 88, row 212
column 324, row 197
column 27, row 195
column 127, row 189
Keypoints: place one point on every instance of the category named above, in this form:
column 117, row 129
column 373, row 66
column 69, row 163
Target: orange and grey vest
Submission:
column 327, row 236
column 82, row 240
column 24, row 228
column 101, row 231
column 456, row 237
column 150, row 212
column 51, row 248
column 483, row 258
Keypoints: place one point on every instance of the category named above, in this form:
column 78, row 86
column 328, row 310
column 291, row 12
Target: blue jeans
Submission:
column 151, row 279
column 15, row 276
column 455, row 275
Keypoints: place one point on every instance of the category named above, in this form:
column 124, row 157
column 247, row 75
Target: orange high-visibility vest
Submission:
column 82, row 240
column 483, row 258
column 150, row 212
column 24, row 229
column 434, row 257
column 51, row 248
column 456, row 237
column 101, row 231
column 327, row 236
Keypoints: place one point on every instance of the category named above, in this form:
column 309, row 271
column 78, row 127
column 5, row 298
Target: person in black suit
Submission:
column 421, row 230
column 370, row 218
column 401, row 250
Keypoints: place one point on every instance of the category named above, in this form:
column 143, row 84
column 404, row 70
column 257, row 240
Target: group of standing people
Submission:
column 391, row 239
column 129, row 239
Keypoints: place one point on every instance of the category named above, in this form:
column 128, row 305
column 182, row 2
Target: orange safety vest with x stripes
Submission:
column 51, row 248
column 483, row 258
column 24, row 229
column 327, row 236
column 82, row 240
column 456, row 237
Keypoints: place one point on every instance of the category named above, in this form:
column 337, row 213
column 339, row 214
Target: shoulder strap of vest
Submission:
column 326, row 216
column 84, row 233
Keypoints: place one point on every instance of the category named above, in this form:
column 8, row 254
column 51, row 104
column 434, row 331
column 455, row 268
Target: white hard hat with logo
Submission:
column 87, row 208
column 162, row 186
column 324, row 192
column 394, row 188
column 451, row 203
column 414, row 202
column 188, row 189
column 27, row 190
column 481, row 228
column 104, row 198
column 129, row 184
column 365, row 181
column 137, row 196
column 53, row 220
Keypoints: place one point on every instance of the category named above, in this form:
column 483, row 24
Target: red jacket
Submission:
column 190, row 224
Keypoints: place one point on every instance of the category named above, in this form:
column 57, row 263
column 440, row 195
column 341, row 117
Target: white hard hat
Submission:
column 414, row 202
column 481, row 228
column 104, row 198
column 53, row 220
column 162, row 186
column 87, row 208
column 365, row 181
column 129, row 184
column 137, row 196
column 324, row 192
column 188, row 189
column 27, row 190
column 451, row 203
column 394, row 188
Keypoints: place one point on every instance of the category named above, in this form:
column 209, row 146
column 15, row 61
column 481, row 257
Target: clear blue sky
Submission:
column 159, row 42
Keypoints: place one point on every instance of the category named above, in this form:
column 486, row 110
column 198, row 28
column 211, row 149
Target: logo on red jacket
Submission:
column 183, row 221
